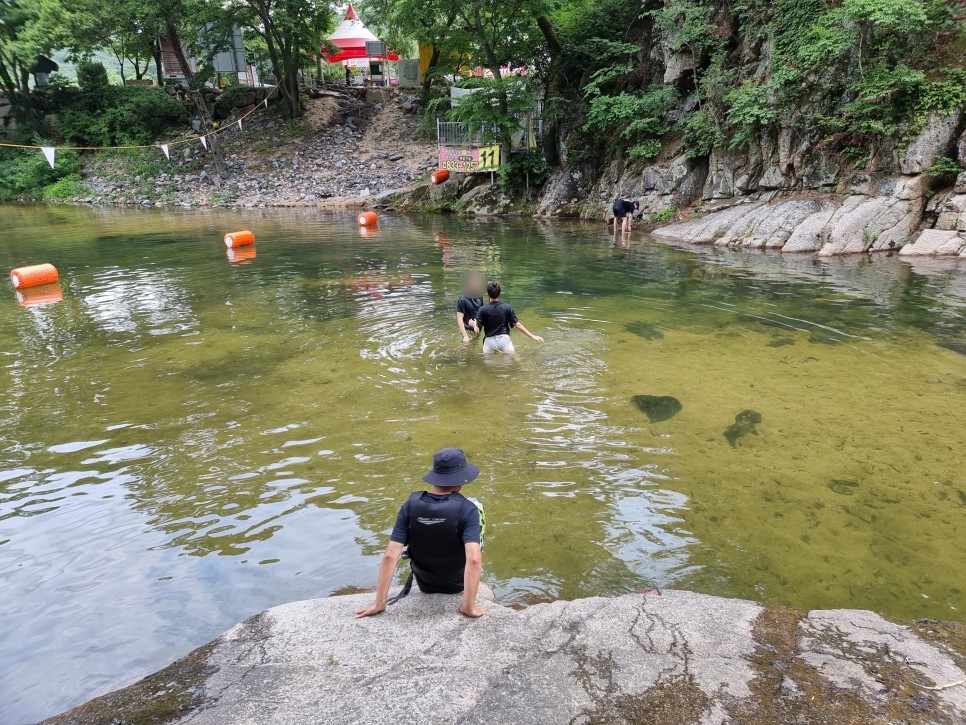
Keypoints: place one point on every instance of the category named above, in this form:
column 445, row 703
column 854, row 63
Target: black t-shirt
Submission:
column 496, row 318
column 623, row 208
column 469, row 306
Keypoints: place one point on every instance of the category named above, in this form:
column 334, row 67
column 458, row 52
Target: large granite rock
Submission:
column 936, row 139
column 670, row 658
column 935, row 243
column 885, row 217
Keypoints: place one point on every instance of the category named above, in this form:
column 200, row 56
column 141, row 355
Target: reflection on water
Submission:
column 190, row 438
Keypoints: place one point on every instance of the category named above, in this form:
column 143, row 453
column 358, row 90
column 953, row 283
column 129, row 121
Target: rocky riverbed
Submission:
column 666, row 658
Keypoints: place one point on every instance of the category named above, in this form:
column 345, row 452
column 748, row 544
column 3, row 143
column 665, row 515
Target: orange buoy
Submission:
column 47, row 294
column 438, row 177
column 242, row 254
column 239, row 239
column 368, row 219
column 34, row 276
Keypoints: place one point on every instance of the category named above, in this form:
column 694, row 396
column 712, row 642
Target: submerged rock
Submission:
column 745, row 422
column 658, row 407
column 643, row 329
column 843, row 486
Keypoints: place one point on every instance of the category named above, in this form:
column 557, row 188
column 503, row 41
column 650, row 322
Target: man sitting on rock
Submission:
column 444, row 532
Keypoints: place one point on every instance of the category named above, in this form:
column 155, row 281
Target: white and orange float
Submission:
column 47, row 294
column 33, row 276
column 439, row 176
column 239, row 239
column 368, row 219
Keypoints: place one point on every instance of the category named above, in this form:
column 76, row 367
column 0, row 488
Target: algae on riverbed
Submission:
column 224, row 438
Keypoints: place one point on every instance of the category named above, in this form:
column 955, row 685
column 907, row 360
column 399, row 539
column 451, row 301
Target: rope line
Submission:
column 157, row 145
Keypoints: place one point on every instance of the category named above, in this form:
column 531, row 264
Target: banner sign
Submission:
column 469, row 159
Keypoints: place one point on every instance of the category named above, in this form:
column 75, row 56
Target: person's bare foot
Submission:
column 473, row 612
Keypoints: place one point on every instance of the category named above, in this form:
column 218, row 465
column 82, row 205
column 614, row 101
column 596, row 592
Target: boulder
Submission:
column 650, row 656
column 870, row 223
column 813, row 231
column 770, row 225
column 708, row 229
column 935, row 243
column 936, row 139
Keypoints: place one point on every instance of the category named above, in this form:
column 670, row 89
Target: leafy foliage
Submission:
column 639, row 120
column 942, row 166
column 25, row 174
column 527, row 166
column 117, row 115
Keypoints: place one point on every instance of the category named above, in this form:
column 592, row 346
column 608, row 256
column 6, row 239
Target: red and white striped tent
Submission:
column 350, row 38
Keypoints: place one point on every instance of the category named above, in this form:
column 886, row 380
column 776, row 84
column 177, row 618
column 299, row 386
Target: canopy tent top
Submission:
column 351, row 37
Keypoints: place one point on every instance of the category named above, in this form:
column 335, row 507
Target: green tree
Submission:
column 290, row 28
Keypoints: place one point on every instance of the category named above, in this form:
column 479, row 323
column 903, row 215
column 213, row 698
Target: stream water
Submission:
column 187, row 439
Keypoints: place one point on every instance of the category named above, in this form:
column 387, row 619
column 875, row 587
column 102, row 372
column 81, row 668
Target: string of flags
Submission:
column 50, row 152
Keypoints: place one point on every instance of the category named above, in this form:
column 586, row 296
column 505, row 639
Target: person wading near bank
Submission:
column 443, row 531
column 468, row 305
column 495, row 319
column 623, row 212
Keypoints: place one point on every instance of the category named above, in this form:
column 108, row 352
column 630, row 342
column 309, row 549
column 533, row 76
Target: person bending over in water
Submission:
column 444, row 532
column 468, row 305
column 623, row 212
column 495, row 320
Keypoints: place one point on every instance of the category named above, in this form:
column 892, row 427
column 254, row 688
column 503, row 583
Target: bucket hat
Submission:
column 450, row 468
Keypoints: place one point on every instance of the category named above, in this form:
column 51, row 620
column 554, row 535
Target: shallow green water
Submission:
column 187, row 441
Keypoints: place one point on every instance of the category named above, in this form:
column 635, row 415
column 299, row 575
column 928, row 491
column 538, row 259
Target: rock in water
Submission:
column 642, row 329
column 745, row 423
column 844, row 486
column 658, row 407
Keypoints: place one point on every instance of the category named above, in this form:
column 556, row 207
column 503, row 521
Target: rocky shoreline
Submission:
column 352, row 146
column 358, row 148
column 667, row 658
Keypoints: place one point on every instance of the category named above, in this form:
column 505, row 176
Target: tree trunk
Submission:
column 550, row 35
column 195, row 92
column 158, row 66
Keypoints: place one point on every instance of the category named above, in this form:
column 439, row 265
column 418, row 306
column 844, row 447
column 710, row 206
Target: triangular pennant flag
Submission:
column 239, row 124
column 49, row 152
column 266, row 103
column 164, row 147
column 204, row 142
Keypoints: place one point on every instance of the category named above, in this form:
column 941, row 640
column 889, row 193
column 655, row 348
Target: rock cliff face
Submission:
column 793, row 200
column 790, row 185
column 671, row 658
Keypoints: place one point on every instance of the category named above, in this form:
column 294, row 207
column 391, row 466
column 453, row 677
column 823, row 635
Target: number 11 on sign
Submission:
column 489, row 158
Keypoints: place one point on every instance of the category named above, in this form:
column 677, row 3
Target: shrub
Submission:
column 68, row 187
column 514, row 173
column 25, row 173
column 943, row 166
column 701, row 133
column 664, row 215
column 118, row 115
column 749, row 109
column 91, row 76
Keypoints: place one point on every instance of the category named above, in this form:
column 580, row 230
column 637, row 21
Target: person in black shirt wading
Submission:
column 468, row 305
column 444, row 532
column 495, row 319
column 623, row 211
